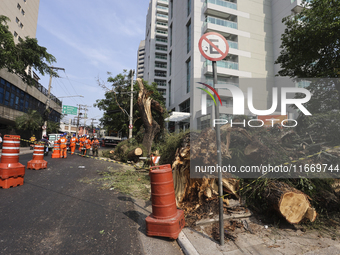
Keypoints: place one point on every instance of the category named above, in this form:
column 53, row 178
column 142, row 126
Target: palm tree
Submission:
column 31, row 120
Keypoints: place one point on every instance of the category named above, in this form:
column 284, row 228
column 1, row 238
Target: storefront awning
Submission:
column 178, row 116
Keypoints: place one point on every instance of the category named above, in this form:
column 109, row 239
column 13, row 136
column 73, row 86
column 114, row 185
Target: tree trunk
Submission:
column 144, row 104
column 135, row 154
column 289, row 202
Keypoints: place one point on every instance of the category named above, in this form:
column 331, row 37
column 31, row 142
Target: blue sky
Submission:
column 90, row 38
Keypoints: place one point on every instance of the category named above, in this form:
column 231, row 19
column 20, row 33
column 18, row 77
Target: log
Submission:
column 291, row 203
column 135, row 153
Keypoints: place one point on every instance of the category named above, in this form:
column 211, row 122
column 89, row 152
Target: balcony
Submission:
column 162, row 17
column 161, row 48
column 162, row 40
column 160, row 74
column 163, row 1
column 220, row 22
column 222, row 3
column 223, row 64
column 161, row 32
column 162, row 9
column 233, row 45
column 161, row 65
column 161, row 57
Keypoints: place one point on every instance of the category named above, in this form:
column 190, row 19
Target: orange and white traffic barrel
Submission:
column 166, row 220
column 9, row 163
column 38, row 161
column 56, row 150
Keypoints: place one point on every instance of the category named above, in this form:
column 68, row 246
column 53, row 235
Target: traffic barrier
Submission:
column 56, row 150
column 11, row 182
column 38, row 161
column 9, row 164
column 166, row 220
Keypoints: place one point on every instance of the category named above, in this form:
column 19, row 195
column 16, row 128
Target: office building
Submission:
column 140, row 60
column 156, row 44
column 253, row 30
column 16, row 97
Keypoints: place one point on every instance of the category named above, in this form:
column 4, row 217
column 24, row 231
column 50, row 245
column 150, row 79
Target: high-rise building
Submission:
column 140, row 59
column 253, row 30
column 16, row 97
column 156, row 44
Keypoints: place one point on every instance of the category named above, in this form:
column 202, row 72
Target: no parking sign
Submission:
column 213, row 46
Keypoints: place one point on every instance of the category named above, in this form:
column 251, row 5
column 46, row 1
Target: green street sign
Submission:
column 67, row 109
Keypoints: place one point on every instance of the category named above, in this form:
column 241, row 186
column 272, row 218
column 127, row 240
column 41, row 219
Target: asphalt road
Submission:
column 55, row 213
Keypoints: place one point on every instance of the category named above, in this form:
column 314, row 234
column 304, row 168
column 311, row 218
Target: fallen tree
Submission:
column 191, row 193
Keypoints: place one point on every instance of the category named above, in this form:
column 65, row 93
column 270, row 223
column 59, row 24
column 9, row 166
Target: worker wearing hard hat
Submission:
column 81, row 145
column 63, row 149
column 73, row 142
column 95, row 146
column 87, row 143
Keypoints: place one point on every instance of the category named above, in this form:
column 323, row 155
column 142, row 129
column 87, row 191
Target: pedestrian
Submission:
column 44, row 141
column 0, row 141
column 87, row 143
column 32, row 141
column 63, row 148
column 95, row 146
column 73, row 142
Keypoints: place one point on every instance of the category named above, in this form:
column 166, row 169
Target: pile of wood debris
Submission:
column 198, row 197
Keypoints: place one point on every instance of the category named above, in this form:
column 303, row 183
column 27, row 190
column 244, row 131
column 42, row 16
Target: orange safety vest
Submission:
column 73, row 140
column 87, row 143
column 95, row 144
column 62, row 142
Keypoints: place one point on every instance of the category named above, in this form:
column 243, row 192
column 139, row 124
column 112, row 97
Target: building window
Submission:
column 188, row 75
column 189, row 7
column 19, row 6
column 22, row 12
column 17, row 20
column 189, row 37
column 171, row 8
column 203, row 122
column 170, row 36
column 15, row 34
column 169, row 93
column 170, row 60
column 21, row 25
column 185, row 106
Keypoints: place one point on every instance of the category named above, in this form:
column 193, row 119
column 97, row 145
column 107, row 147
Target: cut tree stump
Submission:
column 291, row 203
column 135, row 154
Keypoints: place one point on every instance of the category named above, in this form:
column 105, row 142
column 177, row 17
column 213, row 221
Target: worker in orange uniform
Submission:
column 73, row 142
column 63, row 149
column 81, row 145
column 88, row 144
column 95, row 146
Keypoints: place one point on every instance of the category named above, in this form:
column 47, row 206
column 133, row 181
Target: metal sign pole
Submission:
column 219, row 157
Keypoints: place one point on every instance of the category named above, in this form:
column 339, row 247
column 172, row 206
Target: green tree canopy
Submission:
column 29, row 121
column 27, row 53
column 311, row 49
column 117, row 101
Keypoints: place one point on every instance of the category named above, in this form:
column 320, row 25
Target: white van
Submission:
column 52, row 138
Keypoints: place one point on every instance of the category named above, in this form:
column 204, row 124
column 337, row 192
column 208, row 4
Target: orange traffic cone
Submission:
column 56, row 151
column 11, row 171
column 38, row 161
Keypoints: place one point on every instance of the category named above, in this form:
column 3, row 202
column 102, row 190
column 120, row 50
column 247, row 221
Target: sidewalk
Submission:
column 265, row 240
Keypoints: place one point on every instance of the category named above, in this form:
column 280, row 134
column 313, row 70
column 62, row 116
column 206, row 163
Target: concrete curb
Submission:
column 186, row 245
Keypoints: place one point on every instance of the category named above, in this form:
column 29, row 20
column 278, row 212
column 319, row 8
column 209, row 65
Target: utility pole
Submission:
column 48, row 97
column 131, row 105
column 92, row 125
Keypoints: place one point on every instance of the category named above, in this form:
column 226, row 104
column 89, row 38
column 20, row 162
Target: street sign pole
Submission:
column 219, row 157
column 214, row 47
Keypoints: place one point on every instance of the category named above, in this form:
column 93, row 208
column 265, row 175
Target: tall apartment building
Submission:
column 17, row 97
column 253, row 30
column 140, row 60
column 156, row 44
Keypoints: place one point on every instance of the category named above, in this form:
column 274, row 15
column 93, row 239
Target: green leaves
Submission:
column 16, row 58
